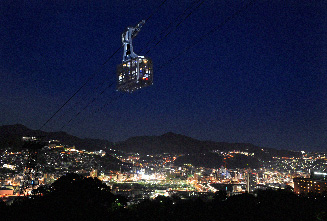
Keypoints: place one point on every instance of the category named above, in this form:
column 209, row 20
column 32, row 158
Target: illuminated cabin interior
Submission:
column 134, row 74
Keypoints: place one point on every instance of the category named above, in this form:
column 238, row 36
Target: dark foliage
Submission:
column 71, row 197
column 242, row 161
column 77, row 198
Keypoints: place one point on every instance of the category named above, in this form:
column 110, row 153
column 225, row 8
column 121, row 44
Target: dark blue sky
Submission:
column 260, row 78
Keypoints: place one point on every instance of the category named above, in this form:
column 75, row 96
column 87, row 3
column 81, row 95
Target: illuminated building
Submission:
column 251, row 182
column 317, row 183
column 6, row 191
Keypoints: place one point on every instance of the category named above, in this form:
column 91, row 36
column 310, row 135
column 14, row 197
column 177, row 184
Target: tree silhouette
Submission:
column 74, row 197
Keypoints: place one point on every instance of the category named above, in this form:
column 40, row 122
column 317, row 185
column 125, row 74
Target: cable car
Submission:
column 136, row 71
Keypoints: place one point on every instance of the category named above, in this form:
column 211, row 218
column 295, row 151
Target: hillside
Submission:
column 11, row 136
column 166, row 143
column 180, row 144
column 212, row 160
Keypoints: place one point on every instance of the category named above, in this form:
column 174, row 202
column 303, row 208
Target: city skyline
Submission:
column 260, row 78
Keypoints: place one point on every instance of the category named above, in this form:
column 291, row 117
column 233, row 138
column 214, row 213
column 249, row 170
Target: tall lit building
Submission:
column 251, row 181
column 317, row 183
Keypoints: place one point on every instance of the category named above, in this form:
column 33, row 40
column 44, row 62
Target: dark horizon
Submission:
column 260, row 78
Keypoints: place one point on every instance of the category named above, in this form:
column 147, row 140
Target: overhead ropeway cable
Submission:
column 180, row 22
column 80, row 88
column 169, row 26
column 229, row 18
column 92, row 76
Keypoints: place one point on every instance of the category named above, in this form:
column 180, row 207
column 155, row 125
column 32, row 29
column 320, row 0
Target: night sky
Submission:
column 260, row 78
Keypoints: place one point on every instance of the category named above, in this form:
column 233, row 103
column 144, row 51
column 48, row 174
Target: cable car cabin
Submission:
column 136, row 71
column 134, row 74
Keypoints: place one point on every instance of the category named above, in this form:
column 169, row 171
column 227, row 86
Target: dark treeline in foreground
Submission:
column 73, row 197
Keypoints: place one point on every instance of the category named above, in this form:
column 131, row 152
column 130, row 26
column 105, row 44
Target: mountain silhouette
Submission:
column 181, row 144
column 11, row 136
